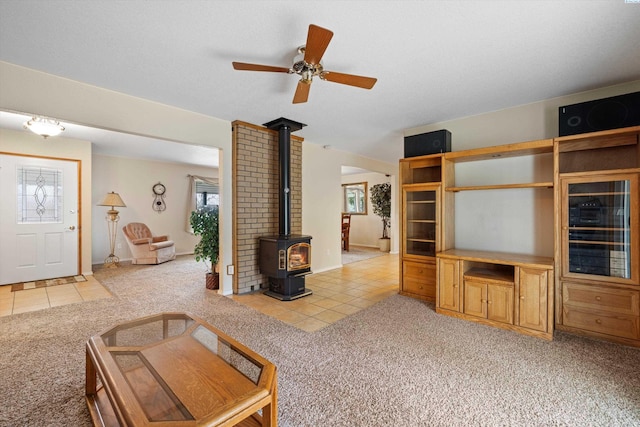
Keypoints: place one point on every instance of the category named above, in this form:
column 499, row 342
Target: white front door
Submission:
column 39, row 218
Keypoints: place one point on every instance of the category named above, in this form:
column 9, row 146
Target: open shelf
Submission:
column 417, row 202
column 420, row 170
column 598, row 151
column 501, row 186
column 597, row 139
column 489, row 273
column 528, row 148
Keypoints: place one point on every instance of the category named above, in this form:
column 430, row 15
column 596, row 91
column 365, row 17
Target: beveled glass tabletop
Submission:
column 176, row 367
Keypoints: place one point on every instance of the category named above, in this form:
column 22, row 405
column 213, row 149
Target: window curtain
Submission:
column 192, row 205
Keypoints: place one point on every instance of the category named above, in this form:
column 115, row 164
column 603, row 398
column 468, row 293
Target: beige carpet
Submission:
column 396, row 363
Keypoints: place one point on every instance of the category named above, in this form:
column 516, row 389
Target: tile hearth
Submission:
column 336, row 294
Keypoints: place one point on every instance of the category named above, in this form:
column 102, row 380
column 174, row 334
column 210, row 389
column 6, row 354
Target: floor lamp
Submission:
column 114, row 200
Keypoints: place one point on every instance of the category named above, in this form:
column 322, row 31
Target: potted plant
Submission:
column 381, row 202
column 204, row 223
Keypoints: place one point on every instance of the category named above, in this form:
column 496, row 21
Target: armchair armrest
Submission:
column 142, row 241
column 160, row 245
column 157, row 239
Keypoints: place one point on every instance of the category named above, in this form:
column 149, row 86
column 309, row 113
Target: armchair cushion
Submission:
column 146, row 248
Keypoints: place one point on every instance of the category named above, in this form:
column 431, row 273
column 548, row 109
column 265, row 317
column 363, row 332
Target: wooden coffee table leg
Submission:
column 270, row 412
column 91, row 376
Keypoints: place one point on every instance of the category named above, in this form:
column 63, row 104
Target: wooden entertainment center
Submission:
column 591, row 284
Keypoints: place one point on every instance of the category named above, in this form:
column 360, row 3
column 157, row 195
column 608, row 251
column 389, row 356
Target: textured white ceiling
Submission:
column 434, row 60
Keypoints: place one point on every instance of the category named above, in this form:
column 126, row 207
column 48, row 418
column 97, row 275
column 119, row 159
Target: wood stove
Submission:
column 286, row 262
column 285, row 258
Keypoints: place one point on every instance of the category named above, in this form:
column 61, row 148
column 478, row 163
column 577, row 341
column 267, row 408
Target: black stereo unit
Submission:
column 427, row 143
column 589, row 260
column 602, row 114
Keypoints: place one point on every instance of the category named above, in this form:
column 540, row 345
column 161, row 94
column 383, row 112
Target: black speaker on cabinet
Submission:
column 422, row 144
column 602, row 114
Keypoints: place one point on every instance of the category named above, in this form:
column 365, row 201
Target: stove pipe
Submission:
column 284, row 128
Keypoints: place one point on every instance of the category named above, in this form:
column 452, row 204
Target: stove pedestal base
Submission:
column 287, row 289
column 282, row 297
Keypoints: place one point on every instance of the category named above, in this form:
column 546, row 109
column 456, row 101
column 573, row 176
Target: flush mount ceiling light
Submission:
column 44, row 126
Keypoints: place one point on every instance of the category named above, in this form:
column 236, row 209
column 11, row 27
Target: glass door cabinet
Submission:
column 420, row 221
column 600, row 227
column 420, row 240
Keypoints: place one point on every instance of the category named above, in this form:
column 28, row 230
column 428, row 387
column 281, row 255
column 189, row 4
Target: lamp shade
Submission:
column 112, row 199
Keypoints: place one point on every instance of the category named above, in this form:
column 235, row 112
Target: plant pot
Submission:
column 385, row 245
column 213, row 281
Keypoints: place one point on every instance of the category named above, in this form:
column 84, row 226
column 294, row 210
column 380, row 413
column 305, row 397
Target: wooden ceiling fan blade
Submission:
column 349, row 79
column 258, row 67
column 302, row 92
column 318, row 39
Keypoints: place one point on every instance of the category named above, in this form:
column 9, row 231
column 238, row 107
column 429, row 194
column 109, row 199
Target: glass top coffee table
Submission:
column 176, row 369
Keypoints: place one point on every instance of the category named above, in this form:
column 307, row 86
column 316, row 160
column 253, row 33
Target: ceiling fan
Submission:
column 307, row 64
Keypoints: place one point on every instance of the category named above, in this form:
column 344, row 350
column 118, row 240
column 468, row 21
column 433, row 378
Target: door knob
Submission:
column 73, row 227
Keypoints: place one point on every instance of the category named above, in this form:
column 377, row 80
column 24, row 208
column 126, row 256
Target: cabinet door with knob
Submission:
column 532, row 298
column 448, row 284
column 489, row 300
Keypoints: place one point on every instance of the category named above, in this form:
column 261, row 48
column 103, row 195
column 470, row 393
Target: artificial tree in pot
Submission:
column 381, row 202
column 204, row 223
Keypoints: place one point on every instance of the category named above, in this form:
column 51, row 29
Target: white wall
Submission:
column 59, row 147
column 133, row 180
column 519, row 221
column 29, row 91
column 322, row 200
column 366, row 230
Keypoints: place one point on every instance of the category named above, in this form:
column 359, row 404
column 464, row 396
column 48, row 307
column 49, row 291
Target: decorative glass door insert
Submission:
column 40, row 195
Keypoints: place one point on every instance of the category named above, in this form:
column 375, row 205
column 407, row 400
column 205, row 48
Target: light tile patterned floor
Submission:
column 51, row 296
column 336, row 294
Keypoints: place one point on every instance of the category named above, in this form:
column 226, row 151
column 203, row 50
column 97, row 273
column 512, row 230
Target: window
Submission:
column 206, row 194
column 354, row 198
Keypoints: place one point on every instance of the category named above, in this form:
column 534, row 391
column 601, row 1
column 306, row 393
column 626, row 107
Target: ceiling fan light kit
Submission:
column 307, row 64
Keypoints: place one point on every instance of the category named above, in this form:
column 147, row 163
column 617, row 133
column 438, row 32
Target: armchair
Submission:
column 146, row 248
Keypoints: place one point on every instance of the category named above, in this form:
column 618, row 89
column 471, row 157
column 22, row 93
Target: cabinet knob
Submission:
column 598, row 321
column 521, row 296
column 598, row 298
